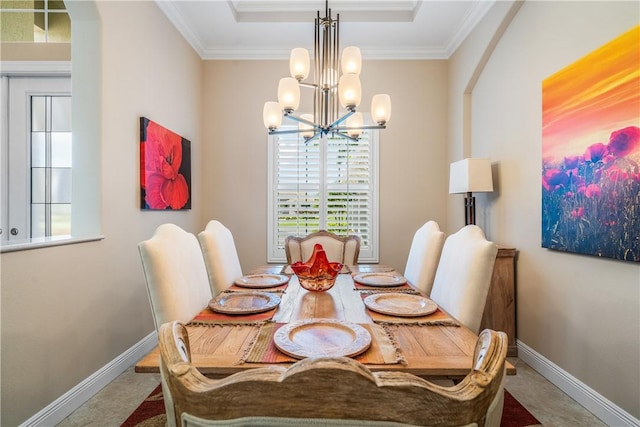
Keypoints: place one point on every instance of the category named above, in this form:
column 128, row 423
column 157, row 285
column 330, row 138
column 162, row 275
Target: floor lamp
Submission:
column 470, row 176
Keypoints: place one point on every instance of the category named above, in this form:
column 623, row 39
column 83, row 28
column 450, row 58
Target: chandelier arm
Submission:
column 305, row 84
column 361, row 127
column 301, row 120
column 285, row 131
column 341, row 119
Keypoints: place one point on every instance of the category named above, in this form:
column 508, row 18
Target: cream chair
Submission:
column 464, row 274
column 176, row 279
column 336, row 391
column 424, row 256
column 220, row 256
column 342, row 249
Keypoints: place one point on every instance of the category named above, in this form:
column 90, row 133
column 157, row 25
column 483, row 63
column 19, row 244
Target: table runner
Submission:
column 383, row 350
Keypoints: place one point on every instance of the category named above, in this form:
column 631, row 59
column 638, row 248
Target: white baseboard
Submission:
column 62, row 407
column 593, row 401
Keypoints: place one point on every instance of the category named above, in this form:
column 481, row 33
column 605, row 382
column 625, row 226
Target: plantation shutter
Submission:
column 326, row 184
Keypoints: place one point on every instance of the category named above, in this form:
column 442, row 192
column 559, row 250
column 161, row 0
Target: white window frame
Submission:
column 275, row 248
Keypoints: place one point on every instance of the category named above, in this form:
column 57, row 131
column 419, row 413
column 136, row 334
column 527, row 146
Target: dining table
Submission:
column 435, row 345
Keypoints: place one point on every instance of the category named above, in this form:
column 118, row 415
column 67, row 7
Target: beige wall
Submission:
column 581, row 313
column 413, row 149
column 68, row 311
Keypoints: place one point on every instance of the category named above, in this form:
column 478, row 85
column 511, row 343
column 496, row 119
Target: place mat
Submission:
column 382, row 351
column 236, row 288
column 402, row 288
column 437, row 318
column 208, row 317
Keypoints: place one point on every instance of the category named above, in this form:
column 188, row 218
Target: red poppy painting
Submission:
column 165, row 168
column 591, row 153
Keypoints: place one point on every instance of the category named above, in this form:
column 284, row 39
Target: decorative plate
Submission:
column 322, row 337
column 400, row 304
column 380, row 279
column 244, row 302
column 262, row 280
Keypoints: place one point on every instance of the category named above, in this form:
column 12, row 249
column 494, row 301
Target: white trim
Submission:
column 593, row 401
column 407, row 9
column 35, row 68
column 63, row 406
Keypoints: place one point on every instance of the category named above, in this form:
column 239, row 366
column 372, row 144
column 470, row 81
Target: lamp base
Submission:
column 469, row 209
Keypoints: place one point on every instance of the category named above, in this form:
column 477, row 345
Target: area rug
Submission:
column 150, row 413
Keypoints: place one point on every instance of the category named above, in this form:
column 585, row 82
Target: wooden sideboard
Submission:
column 500, row 310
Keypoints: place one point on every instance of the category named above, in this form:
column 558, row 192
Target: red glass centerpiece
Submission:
column 317, row 274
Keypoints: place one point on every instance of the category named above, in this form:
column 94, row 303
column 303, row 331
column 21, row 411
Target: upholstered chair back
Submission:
column 175, row 274
column 177, row 283
column 342, row 249
column 424, row 256
column 464, row 274
column 220, row 256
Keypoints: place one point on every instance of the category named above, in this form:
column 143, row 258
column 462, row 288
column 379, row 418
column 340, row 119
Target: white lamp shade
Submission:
column 305, row 129
column 351, row 60
column 354, row 121
column 272, row 115
column 470, row 175
column 288, row 94
column 381, row 108
column 299, row 63
column 349, row 91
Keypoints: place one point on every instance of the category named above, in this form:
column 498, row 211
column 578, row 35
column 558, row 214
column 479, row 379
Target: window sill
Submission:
column 23, row 245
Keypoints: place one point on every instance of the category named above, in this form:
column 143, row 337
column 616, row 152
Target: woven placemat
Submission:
column 382, row 351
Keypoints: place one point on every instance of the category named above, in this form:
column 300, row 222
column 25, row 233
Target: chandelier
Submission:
column 329, row 92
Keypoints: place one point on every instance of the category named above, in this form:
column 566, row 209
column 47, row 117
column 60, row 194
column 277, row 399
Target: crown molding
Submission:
column 247, row 52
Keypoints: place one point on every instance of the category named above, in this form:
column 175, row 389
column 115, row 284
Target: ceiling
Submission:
column 269, row 29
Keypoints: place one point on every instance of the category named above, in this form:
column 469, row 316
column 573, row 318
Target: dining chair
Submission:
column 329, row 389
column 342, row 249
column 176, row 279
column 424, row 256
column 220, row 256
column 463, row 276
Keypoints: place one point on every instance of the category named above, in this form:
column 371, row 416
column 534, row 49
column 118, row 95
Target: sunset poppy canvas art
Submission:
column 165, row 168
column 591, row 153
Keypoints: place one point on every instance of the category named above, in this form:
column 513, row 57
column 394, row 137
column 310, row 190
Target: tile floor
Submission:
column 113, row 404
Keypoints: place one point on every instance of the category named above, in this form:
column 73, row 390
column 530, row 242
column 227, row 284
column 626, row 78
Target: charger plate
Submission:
column 400, row 304
column 244, row 302
column 322, row 337
column 380, row 279
column 262, row 280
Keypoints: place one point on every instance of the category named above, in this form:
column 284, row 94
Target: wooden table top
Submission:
column 429, row 351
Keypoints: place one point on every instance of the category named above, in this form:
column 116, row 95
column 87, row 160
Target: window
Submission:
column 36, row 168
column 42, row 21
column 327, row 184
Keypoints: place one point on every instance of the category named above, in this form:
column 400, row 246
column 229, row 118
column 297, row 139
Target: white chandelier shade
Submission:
column 272, row 115
column 299, row 63
column 381, row 108
column 336, row 96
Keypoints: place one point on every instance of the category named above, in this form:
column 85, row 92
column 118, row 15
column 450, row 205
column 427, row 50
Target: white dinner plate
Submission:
column 262, row 280
column 380, row 279
column 400, row 304
column 244, row 302
column 322, row 337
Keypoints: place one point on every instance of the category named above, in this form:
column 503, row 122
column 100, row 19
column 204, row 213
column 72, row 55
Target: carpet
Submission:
column 150, row 413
